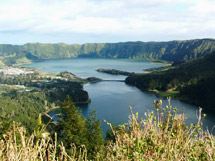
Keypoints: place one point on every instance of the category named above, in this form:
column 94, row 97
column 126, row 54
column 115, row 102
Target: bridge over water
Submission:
column 114, row 80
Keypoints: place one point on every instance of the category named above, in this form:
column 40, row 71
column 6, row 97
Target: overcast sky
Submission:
column 81, row 21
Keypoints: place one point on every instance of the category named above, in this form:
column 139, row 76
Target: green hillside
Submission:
column 169, row 51
column 45, row 51
column 194, row 81
column 173, row 50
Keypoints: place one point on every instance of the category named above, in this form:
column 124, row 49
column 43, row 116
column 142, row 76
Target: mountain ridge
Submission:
column 175, row 50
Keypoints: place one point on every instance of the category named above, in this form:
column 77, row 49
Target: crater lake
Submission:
column 111, row 99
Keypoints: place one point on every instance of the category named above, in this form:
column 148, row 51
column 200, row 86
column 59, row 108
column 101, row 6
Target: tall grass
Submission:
column 160, row 136
column 16, row 146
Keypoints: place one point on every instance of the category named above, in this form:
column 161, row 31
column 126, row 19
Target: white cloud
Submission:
column 136, row 18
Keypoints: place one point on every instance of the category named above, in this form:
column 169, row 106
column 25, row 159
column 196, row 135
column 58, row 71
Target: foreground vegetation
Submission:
column 162, row 135
column 192, row 81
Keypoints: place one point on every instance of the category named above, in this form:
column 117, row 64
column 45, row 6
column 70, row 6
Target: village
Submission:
column 14, row 71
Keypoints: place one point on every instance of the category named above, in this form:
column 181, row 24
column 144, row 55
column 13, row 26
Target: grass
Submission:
column 161, row 63
column 165, row 94
column 23, row 60
column 16, row 146
column 161, row 135
column 43, row 74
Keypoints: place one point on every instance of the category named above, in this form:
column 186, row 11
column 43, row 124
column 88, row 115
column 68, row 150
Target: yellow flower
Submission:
column 156, row 103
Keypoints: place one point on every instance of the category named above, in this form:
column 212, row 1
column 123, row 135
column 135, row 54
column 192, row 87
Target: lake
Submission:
column 112, row 99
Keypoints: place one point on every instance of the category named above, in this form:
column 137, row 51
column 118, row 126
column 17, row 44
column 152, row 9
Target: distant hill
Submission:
column 194, row 80
column 170, row 51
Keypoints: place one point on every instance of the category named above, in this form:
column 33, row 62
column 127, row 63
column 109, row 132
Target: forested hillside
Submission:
column 170, row 51
column 194, row 80
column 24, row 96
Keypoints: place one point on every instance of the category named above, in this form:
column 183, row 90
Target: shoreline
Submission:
column 162, row 94
column 57, row 107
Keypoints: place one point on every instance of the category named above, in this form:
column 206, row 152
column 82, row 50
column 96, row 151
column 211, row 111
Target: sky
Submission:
column 99, row 21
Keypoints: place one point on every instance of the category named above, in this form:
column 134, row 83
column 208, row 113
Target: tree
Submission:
column 72, row 127
column 95, row 134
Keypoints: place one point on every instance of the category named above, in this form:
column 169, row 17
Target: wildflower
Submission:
column 45, row 135
column 175, row 109
column 130, row 107
column 156, row 103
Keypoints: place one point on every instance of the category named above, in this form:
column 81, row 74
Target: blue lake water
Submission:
column 112, row 99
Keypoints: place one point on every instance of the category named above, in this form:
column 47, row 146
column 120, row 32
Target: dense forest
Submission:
column 194, row 80
column 169, row 51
